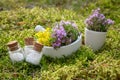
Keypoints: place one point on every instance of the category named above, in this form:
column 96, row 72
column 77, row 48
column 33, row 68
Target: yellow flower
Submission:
column 44, row 37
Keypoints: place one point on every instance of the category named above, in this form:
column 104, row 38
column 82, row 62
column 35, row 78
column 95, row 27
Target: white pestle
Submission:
column 39, row 28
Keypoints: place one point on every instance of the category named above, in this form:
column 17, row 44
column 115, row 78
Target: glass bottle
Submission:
column 28, row 45
column 15, row 51
column 35, row 55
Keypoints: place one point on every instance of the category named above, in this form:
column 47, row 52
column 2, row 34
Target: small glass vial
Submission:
column 28, row 45
column 35, row 55
column 15, row 51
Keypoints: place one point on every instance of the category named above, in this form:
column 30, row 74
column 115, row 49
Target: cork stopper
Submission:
column 38, row 47
column 13, row 45
column 29, row 41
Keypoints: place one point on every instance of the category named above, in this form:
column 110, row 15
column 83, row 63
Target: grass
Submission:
column 16, row 23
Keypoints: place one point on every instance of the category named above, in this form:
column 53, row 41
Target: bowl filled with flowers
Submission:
column 96, row 29
column 61, row 40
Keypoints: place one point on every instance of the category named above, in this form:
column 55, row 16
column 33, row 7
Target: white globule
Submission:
column 39, row 28
column 34, row 57
column 16, row 57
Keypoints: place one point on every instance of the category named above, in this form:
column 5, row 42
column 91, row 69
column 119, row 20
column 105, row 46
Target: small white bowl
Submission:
column 64, row 50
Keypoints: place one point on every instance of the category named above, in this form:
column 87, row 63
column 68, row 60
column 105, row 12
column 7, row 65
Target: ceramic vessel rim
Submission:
column 95, row 31
column 79, row 37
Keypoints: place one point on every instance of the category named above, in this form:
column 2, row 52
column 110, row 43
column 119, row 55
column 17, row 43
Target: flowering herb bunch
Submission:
column 64, row 33
column 98, row 22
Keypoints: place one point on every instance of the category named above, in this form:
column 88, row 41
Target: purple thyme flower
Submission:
column 74, row 25
column 96, row 11
column 97, row 20
column 101, row 16
column 56, row 44
column 88, row 22
column 62, row 33
column 67, row 23
column 110, row 22
column 58, row 33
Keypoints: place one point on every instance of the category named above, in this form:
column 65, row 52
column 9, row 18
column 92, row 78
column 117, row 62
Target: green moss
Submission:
column 18, row 23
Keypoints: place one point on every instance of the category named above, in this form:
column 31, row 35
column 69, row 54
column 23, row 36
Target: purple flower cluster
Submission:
column 62, row 33
column 108, row 22
column 58, row 34
column 69, row 23
column 97, row 21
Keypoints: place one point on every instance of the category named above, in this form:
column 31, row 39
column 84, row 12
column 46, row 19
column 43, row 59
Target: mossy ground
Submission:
column 18, row 19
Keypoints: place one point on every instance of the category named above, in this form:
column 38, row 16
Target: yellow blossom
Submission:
column 44, row 37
